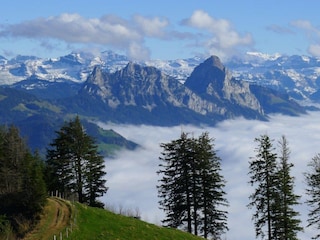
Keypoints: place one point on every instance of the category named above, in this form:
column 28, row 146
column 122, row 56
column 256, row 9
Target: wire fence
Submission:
column 65, row 233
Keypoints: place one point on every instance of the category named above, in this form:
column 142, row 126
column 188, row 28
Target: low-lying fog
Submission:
column 132, row 177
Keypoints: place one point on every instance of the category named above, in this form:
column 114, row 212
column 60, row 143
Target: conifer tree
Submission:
column 74, row 165
column 274, row 197
column 262, row 170
column 191, row 188
column 14, row 150
column 211, row 197
column 313, row 191
column 33, row 185
column 95, row 182
column 22, row 187
column 175, row 188
column 286, row 225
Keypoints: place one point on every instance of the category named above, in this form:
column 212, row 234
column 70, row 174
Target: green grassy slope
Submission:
column 84, row 223
column 94, row 223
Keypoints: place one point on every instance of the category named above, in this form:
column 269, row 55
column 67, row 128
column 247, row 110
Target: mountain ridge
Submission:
column 209, row 95
column 138, row 94
column 298, row 76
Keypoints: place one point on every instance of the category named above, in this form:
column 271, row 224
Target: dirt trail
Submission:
column 55, row 218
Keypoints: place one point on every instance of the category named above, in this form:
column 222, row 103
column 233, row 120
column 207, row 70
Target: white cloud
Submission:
column 138, row 51
column 132, row 35
column 151, row 27
column 312, row 33
column 303, row 24
column 128, row 35
column 314, row 50
column 224, row 40
column 132, row 175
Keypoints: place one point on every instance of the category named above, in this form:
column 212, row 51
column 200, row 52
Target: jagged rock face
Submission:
column 97, row 84
column 214, row 82
column 135, row 94
column 145, row 87
column 208, row 75
column 240, row 93
column 134, row 85
column 210, row 94
column 210, row 90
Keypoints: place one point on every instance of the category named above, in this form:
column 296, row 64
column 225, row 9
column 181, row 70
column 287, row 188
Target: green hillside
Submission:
column 82, row 222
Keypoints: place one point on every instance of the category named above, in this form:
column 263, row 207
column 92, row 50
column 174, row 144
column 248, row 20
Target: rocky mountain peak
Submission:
column 215, row 62
column 96, row 77
column 133, row 74
column 134, row 68
column 214, row 82
column 210, row 72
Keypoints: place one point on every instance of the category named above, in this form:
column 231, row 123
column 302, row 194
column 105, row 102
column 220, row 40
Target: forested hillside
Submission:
column 72, row 166
column 22, row 186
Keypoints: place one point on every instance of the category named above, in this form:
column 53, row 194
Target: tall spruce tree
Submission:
column 191, row 189
column 14, row 149
column 285, row 225
column 95, row 182
column 313, row 191
column 211, row 197
column 262, row 169
column 22, row 187
column 74, row 165
column 174, row 189
column 274, row 197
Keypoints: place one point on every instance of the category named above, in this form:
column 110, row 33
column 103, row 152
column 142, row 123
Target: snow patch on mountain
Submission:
column 293, row 74
column 264, row 56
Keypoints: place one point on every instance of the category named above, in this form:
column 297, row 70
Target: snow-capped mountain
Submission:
column 299, row 76
column 76, row 67
column 53, row 89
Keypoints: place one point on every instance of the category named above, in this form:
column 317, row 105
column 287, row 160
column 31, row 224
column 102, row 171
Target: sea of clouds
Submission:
column 132, row 178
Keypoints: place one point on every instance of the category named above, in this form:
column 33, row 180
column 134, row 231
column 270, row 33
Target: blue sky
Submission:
column 159, row 29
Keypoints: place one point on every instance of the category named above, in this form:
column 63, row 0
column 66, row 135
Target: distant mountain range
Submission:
column 36, row 94
column 299, row 76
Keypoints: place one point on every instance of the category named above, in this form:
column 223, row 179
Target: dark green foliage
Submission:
column 313, row 192
column 191, row 188
column 33, row 184
column 5, row 228
column 285, row 224
column 172, row 189
column 261, row 170
column 273, row 198
column 22, row 187
column 213, row 219
column 94, row 179
column 74, row 165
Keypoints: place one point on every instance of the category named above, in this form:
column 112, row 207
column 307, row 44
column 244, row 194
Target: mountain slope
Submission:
column 298, row 76
column 85, row 222
column 212, row 81
column 137, row 94
column 273, row 101
column 144, row 95
column 295, row 75
column 38, row 120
